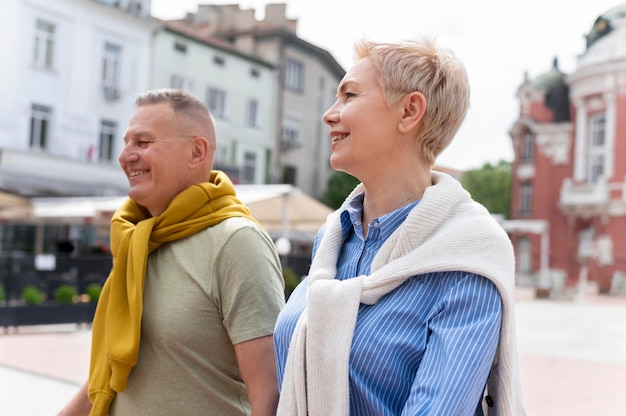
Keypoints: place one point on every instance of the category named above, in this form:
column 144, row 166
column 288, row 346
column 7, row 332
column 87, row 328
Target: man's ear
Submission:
column 414, row 107
column 199, row 151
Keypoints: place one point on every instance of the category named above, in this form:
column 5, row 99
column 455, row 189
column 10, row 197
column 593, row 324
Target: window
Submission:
column 180, row 47
column 290, row 137
column 528, row 147
column 252, row 109
column 524, row 256
column 111, row 65
column 289, row 174
column 294, row 75
column 596, row 148
column 526, row 198
column 249, row 167
column 180, row 83
column 40, row 126
column 44, row 44
column 216, row 101
column 221, row 154
column 108, row 129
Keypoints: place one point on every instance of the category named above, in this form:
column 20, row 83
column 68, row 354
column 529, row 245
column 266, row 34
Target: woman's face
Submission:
column 363, row 125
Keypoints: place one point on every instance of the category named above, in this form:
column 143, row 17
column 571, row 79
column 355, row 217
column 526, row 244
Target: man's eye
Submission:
column 143, row 143
column 350, row 95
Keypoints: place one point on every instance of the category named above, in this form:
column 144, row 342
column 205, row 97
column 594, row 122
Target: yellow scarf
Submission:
column 134, row 235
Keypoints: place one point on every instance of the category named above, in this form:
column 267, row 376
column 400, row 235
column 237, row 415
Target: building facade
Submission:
column 239, row 88
column 68, row 90
column 75, row 68
column 307, row 78
column 569, row 173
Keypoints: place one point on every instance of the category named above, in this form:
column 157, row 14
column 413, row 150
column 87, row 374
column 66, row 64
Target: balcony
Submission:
column 584, row 199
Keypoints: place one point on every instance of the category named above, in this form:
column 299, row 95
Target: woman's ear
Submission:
column 414, row 107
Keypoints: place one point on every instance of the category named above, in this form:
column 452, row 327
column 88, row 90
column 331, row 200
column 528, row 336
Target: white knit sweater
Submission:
column 446, row 231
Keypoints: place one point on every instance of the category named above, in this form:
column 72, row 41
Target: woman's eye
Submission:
column 350, row 95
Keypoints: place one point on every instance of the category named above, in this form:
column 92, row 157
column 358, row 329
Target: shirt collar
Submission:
column 353, row 212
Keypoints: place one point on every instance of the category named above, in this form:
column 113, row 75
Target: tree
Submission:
column 491, row 186
column 340, row 185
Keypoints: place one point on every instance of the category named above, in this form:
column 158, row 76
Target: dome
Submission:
column 554, row 77
column 556, row 90
column 606, row 41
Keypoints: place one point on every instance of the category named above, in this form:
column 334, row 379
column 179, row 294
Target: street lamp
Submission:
column 283, row 246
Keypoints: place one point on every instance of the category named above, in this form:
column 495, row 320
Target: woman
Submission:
column 408, row 306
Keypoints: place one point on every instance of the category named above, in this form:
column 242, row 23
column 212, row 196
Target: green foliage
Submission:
column 32, row 295
column 93, row 291
column 3, row 293
column 291, row 279
column 340, row 185
column 65, row 294
column 491, row 186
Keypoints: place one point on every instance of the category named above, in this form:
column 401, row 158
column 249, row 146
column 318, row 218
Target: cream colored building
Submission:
column 307, row 78
column 68, row 85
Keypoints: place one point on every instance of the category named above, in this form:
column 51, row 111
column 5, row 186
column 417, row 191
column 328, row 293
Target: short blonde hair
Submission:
column 420, row 65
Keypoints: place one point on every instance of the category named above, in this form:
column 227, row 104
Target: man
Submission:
column 185, row 321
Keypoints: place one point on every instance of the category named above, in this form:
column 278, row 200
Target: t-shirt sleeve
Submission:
column 251, row 286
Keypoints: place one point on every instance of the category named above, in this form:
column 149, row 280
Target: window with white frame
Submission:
column 111, row 65
column 596, row 150
column 526, row 198
column 249, row 167
column 108, row 131
column 524, row 256
column 294, row 75
column 44, row 44
column 40, row 118
column 252, row 110
column 290, row 137
column 528, row 147
column 179, row 82
column 221, row 154
column 217, row 102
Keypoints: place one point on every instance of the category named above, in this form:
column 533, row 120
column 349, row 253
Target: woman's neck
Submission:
column 383, row 199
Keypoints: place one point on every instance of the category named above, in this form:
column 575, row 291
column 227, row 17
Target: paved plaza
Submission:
column 572, row 353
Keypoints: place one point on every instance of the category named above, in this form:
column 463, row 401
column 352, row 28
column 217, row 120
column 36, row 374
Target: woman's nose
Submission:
column 331, row 115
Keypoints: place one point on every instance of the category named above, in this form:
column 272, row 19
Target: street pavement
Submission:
column 572, row 357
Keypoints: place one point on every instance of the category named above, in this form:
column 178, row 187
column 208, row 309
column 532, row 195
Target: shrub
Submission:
column 65, row 294
column 93, row 291
column 32, row 295
column 3, row 293
column 291, row 279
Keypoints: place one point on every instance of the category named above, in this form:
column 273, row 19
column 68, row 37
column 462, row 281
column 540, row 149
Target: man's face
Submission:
column 155, row 156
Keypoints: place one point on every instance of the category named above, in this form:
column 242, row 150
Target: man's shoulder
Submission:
column 232, row 226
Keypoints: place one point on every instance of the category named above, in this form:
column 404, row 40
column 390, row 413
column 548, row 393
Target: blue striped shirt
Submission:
column 425, row 348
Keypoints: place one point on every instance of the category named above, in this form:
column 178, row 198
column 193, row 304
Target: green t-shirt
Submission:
column 203, row 294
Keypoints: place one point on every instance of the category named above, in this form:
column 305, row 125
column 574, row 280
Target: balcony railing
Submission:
column 576, row 193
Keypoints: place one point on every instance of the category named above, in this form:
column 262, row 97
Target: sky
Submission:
column 499, row 41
